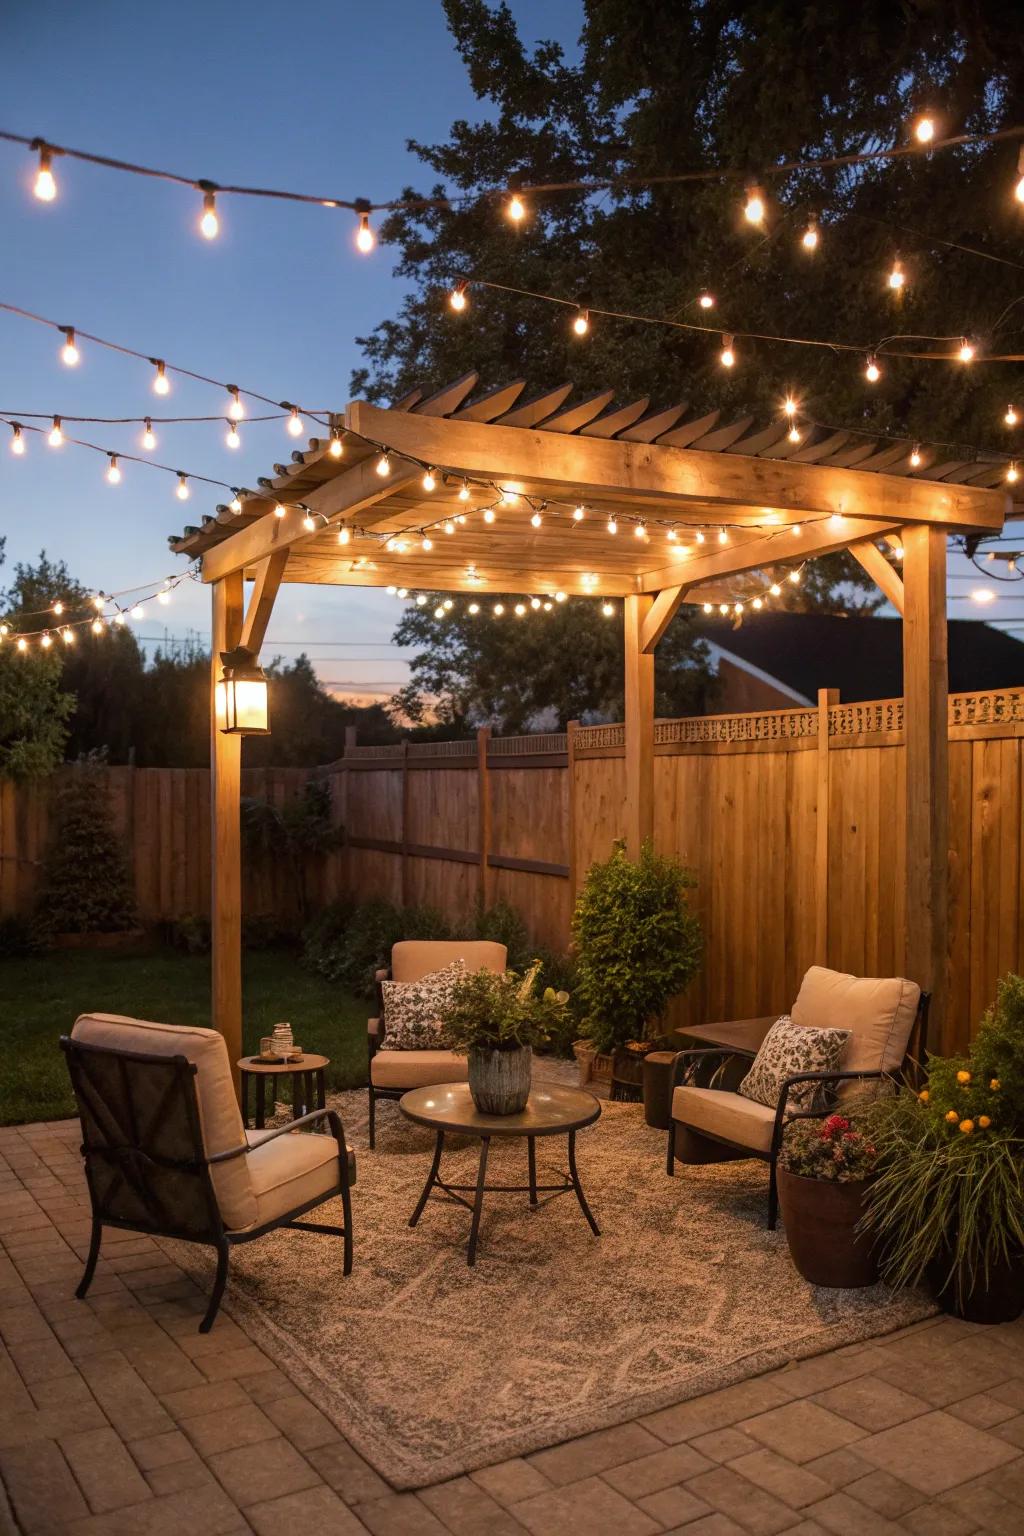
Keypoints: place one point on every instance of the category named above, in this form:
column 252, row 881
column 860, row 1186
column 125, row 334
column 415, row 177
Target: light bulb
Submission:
column 723, row 537
column 429, row 482
column 775, row 589
column 439, row 612
column 536, row 520
column 294, row 423
column 67, row 635
column 279, row 509
column 613, row 526
column 640, row 532
column 520, row 609
column 983, row 595
column 56, row 436
column 535, row 603
column 45, row 640
column 421, row 601
column 119, row 619
column 403, row 592
column 45, row 187
column 915, row 456
column 560, row 597
column 897, row 277
column 727, row 356
column 69, row 352
column 161, row 383
column 449, row 527
column 58, row 608
column 138, row 612
column 426, row 544
column 163, row 597
column 516, row 208
column 700, row 536
column 464, row 491
column 149, row 436
column 308, row 522
column 708, row 608
column 872, row 372
column 737, row 607
column 457, row 298
column 499, row 609
column 232, row 437
column 796, row 530
column 508, row 498
column 209, row 223
column 794, row 433
column 607, row 609
column 383, row 466
column 898, row 551
column 1011, row 418
column 344, row 535
column 473, row 608
column 337, row 447
column 581, row 322
column 809, row 238
column 924, row 130
column 488, row 514
column 114, row 471
column 182, row 492
column 789, row 406
column 97, row 626
column 753, row 210
column 723, row 609
column 236, row 410
column 671, row 535
column 22, row 643
column 966, row 350
column 706, row 300
column 758, row 603
column 99, row 602
column 365, row 238
column 578, row 514
column 794, row 577
column 1012, row 474
column 17, row 440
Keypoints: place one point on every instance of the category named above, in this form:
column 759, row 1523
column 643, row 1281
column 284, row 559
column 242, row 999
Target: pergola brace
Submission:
column 662, row 612
column 888, row 580
column 269, row 574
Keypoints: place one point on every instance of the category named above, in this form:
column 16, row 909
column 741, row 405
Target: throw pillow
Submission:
column 787, row 1049
column 414, row 1010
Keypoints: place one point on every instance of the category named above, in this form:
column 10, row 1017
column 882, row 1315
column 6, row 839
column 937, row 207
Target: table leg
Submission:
column 320, row 1102
column 531, row 1152
column 261, row 1111
column 244, row 1095
column 577, row 1186
column 478, row 1202
column 431, row 1178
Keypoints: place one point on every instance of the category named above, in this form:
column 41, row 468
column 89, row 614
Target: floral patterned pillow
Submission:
column 414, row 1010
column 787, row 1049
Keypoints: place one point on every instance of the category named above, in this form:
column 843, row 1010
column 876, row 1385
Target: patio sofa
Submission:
column 711, row 1123
column 392, row 1073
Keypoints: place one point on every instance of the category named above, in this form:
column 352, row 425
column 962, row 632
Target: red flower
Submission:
column 836, row 1123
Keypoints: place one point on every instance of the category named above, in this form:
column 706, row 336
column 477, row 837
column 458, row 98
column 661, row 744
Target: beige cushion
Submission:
column 417, row 1069
column 414, row 958
column 290, row 1171
column 219, row 1117
column 878, row 1011
column 724, row 1114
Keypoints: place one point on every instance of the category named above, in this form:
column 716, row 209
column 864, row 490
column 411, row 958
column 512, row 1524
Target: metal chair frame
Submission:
column 120, row 1160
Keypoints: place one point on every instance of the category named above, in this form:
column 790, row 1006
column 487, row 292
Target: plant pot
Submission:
column 999, row 1300
column 584, row 1052
column 820, row 1217
column 499, row 1081
column 628, row 1070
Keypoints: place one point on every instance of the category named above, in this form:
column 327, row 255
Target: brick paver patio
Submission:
column 118, row 1419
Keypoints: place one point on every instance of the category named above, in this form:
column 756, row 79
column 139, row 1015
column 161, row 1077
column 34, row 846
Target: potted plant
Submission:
column 497, row 1020
column 948, row 1204
column 637, row 945
column 824, row 1170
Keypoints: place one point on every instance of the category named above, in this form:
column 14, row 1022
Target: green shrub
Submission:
column 190, row 934
column 18, row 937
column 502, row 1012
column 351, row 951
column 86, row 884
column 502, row 924
column 323, row 936
column 637, row 944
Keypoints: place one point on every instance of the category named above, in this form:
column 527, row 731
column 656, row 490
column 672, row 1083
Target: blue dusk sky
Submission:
column 318, row 99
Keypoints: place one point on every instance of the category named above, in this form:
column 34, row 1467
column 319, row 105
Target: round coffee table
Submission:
column 309, row 1089
column 551, row 1110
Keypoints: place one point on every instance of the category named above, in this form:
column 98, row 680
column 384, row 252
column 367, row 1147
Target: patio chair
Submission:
column 888, row 1022
column 165, row 1152
column 392, row 1073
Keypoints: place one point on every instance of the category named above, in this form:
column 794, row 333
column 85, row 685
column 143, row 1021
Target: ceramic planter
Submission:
column 820, row 1217
column 999, row 1300
column 499, row 1081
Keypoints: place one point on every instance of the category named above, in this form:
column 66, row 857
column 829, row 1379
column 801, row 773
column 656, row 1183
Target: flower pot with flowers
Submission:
column 496, row 1021
column 948, row 1204
column 825, row 1167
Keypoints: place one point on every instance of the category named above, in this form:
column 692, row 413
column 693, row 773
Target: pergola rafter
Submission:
column 741, row 505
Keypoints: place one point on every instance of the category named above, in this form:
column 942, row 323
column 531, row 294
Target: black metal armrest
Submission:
column 374, row 1036
column 330, row 1115
column 682, row 1058
column 814, row 1077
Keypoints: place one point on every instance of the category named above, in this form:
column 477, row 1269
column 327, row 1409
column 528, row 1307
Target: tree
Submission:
column 544, row 668
column 86, row 885
column 34, row 709
column 661, row 87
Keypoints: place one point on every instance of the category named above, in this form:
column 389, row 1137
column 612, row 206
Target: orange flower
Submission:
column 923, row 1095
column 952, row 1116
column 963, row 1077
column 967, row 1126
column 995, row 1085
column 984, row 1122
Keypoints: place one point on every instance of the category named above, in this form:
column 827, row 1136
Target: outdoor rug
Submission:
column 432, row 1369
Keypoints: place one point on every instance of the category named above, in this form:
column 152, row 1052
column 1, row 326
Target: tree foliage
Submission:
column 86, row 887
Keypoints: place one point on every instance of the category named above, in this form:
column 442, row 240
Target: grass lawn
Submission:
column 40, row 998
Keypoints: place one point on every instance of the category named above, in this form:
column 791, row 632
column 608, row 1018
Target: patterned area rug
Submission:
column 431, row 1368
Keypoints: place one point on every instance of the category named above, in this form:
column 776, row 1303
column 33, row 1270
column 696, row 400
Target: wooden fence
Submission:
column 792, row 821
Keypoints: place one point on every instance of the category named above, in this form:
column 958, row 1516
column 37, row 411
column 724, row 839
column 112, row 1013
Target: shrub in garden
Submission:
column 637, row 944
column 86, row 885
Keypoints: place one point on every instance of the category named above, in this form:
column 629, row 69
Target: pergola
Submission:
column 329, row 518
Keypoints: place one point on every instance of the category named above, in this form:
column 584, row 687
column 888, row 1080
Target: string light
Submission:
column 727, row 356
column 235, row 505
column 426, row 544
column 560, row 597
column 789, row 406
column 1012, row 474
column 336, row 447
column 794, row 433
column 22, row 643
column 794, row 577
column 383, row 466
column 429, row 481
column 723, row 537
column 924, row 130
column 45, row 186
column 753, row 210
column 608, row 610
column 17, row 440
column 897, row 276
column 69, row 353
column 473, row 608
column 1011, row 418
column 365, row 237
column 161, row 383
column 149, row 436
column 56, row 436
column 464, row 491
column 581, row 322
column 294, row 424
column 613, row 526
column 578, row 514
column 97, row 626
column 536, row 520
column 138, row 612
column 915, row 456
column 67, row 635
column 182, row 491
column 439, row 612
column 519, row 610
column 308, row 522
column 640, row 531
column 1018, row 190
column 236, row 410
column 209, row 223
column 775, row 589
column 279, row 509
column 516, row 208
column 457, row 298
column 489, row 514
column 449, row 527
column 499, row 609
column 344, row 535
column 232, row 437
column 872, row 372
column 58, row 608
column 706, row 300
column 809, row 238
column 966, row 350
column 983, row 595
column 114, row 471
column 700, row 536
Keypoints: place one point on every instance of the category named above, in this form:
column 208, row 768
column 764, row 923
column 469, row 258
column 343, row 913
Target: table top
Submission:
column 306, row 1063
column 550, row 1110
column 745, row 1034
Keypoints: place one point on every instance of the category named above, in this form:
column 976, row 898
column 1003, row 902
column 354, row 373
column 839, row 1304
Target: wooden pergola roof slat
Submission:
column 448, row 399
column 494, row 403
column 714, row 442
column 533, row 411
column 615, row 421
column 653, row 425
column 576, row 416
column 756, row 442
column 849, row 458
column 683, row 435
column 813, row 451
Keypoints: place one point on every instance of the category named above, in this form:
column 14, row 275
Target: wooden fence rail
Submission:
column 791, row 820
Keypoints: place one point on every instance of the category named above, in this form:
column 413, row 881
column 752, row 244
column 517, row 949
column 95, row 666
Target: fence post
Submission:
column 483, row 791
column 406, row 873
column 570, row 768
column 826, row 698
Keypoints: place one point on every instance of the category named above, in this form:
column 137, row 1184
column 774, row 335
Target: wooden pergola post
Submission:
column 925, row 715
column 226, row 831
column 639, row 727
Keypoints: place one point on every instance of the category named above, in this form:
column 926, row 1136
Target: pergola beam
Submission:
column 881, row 572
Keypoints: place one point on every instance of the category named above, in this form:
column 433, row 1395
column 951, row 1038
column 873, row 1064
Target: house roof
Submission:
column 862, row 657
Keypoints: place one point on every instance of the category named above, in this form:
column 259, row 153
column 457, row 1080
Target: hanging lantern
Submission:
column 241, row 696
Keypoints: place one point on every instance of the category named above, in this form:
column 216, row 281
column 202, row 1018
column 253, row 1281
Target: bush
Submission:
column 637, row 944
column 190, row 934
column 351, row 952
column 503, row 925
column 87, row 887
column 18, row 937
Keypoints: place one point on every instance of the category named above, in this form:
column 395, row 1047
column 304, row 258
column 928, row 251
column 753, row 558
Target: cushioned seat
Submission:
column 290, row 1171
column 417, row 1069
column 717, row 1112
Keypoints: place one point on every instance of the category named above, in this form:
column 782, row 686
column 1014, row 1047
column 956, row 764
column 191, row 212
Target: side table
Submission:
column 309, row 1088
